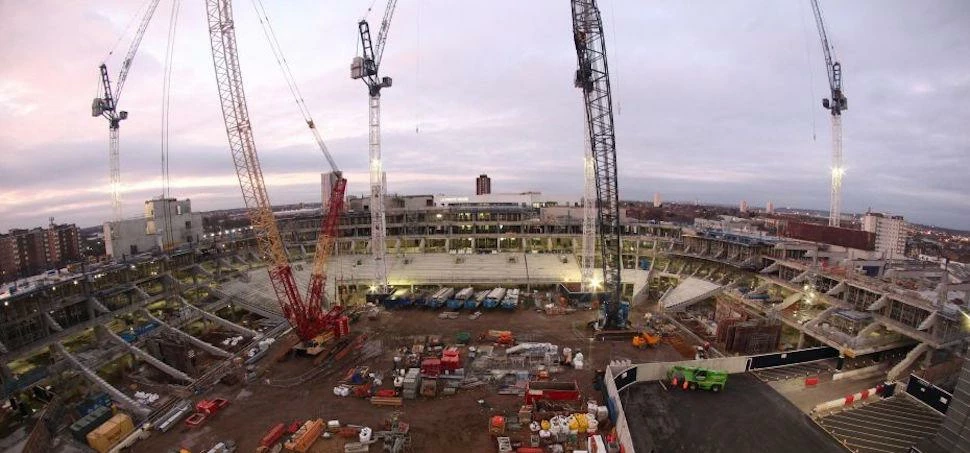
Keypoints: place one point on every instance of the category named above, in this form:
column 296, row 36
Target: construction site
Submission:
column 482, row 323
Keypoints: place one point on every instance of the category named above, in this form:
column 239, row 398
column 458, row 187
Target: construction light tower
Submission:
column 835, row 105
column 592, row 77
column 366, row 67
column 107, row 107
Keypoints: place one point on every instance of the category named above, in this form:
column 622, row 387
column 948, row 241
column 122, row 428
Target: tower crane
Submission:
column 107, row 107
column 835, row 104
column 307, row 318
column 592, row 77
column 366, row 67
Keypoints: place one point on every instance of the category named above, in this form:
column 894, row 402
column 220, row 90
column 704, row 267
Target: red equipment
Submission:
column 212, row 406
column 306, row 316
column 195, row 420
column 273, row 435
column 545, row 390
column 431, row 367
column 450, row 359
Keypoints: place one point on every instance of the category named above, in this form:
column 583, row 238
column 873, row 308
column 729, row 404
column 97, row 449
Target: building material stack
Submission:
column 411, row 382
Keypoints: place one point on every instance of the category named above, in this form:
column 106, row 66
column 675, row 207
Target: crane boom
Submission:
column 106, row 106
column 835, row 105
column 592, row 77
column 327, row 235
column 382, row 33
column 307, row 319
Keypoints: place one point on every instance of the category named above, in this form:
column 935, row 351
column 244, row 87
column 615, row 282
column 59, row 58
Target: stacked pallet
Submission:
column 411, row 382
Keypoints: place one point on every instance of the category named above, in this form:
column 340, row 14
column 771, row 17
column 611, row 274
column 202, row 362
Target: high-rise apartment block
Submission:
column 891, row 233
column 483, row 185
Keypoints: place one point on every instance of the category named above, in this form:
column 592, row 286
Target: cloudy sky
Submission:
column 714, row 100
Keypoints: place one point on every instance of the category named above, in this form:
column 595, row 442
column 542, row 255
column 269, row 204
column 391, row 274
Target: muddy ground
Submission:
column 442, row 424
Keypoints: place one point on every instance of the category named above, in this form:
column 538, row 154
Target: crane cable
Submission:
column 166, row 117
column 124, row 32
column 811, row 72
column 281, row 61
column 166, row 96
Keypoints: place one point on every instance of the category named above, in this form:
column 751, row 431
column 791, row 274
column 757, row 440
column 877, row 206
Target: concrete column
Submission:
column 549, row 244
column 801, row 340
column 421, row 245
column 447, row 245
column 473, row 244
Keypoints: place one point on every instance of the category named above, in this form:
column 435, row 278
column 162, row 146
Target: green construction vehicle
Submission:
column 688, row 377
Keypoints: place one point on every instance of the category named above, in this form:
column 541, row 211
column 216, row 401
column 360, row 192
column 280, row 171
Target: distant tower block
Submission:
column 656, row 199
column 326, row 187
column 744, row 206
column 770, row 208
column 483, row 185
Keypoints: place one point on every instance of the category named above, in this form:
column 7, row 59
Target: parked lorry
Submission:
column 688, row 377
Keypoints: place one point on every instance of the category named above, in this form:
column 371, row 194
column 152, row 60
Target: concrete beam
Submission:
column 116, row 394
column 928, row 322
column 773, row 267
column 836, row 290
column 789, row 301
column 195, row 341
column 52, row 323
column 138, row 352
column 801, row 277
column 879, row 303
column 98, row 306
column 866, row 331
column 221, row 321
column 907, row 361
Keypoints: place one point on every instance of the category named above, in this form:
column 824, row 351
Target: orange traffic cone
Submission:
column 685, row 384
column 674, row 382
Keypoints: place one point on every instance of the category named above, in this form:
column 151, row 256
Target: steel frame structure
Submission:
column 592, row 77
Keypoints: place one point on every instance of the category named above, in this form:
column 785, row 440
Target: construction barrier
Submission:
column 931, row 395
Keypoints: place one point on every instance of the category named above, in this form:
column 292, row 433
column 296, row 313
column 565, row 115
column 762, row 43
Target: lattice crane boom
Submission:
column 835, row 104
column 106, row 106
column 307, row 319
column 592, row 77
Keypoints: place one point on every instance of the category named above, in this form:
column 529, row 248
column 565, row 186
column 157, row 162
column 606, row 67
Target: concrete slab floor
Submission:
column 748, row 416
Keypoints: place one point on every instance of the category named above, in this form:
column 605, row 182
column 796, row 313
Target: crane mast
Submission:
column 106, row 106
column 308, row 319
column 588, row 258
column 592, row 77
column 835, row 104
column 366, row 67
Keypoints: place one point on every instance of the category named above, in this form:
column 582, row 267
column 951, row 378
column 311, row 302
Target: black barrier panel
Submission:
column 791, row 357
column 625, row 378
column 928, row 393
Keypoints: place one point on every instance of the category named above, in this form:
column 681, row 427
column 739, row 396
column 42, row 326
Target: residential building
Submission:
column 891, row 233
column 26, row 252
column 483, row 185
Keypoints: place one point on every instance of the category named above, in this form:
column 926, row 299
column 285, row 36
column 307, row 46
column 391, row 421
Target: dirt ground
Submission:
column 442, row 424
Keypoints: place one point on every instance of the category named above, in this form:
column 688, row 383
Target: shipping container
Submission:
column 110, row 432
column 84, row 425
